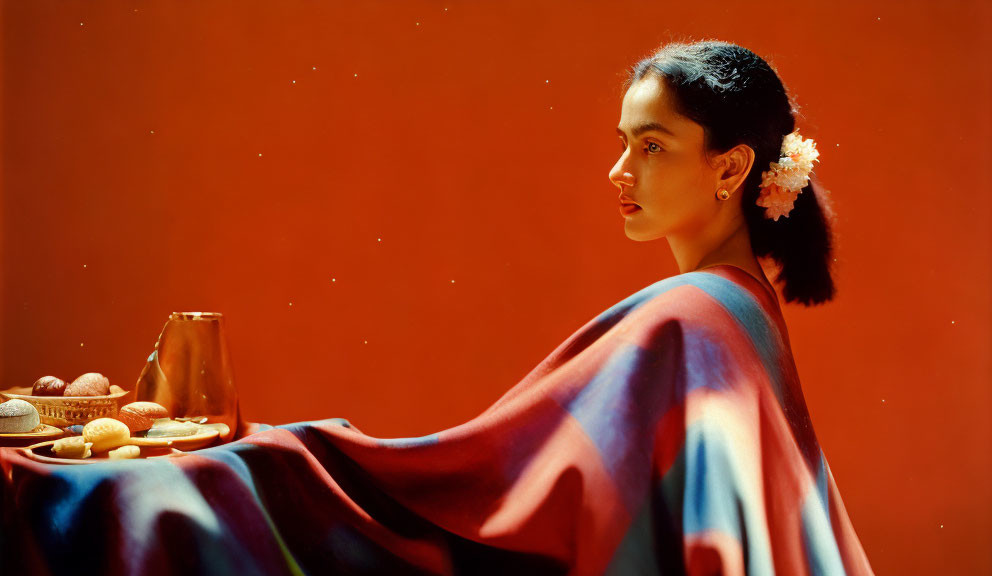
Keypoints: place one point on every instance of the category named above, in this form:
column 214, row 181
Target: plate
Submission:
column 42, row 452
column 42, row 432
column 150, row 447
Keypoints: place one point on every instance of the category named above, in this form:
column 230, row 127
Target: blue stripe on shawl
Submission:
column 822, row 553
column 822, row 486
column 715, row 500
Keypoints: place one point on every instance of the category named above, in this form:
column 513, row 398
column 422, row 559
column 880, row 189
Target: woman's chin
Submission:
column 641, row 234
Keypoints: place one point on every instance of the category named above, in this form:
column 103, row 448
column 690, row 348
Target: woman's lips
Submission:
column 628, row 209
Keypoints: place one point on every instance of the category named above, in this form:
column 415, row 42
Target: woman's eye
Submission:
column 655, row 149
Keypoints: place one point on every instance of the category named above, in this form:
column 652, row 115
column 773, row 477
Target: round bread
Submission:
column 17, row 417
column 48, row 386
column 140, row 416
column 106, row 433
column 89, row 384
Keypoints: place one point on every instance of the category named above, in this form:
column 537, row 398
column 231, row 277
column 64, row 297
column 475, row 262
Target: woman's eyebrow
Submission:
column 648, row 127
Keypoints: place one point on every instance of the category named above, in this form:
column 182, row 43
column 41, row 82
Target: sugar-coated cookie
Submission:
column 106, row 433
column 72, row 447
column 89, row 384
column 17, row 417
column 124, row 452
column 48, row 386
column 141, row 415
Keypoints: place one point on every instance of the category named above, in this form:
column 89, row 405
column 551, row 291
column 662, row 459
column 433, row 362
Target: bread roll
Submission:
column 106, row 433
column 17, row 417
column 72, row 447
column 124, row 452
column 140, row 416
column 89, row 384
column 48, row 386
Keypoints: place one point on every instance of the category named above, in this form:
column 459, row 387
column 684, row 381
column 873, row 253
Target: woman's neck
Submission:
column 705, row 251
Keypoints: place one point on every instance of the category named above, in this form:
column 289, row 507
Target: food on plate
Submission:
column 18, row 416
column 106, row 433
column 89, row 384
column 140, row 416
column 72, row 447
column 124, row 452
column 48, row 386
column 167, row 428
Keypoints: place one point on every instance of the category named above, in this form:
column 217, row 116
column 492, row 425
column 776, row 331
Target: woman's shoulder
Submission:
column 723, row 288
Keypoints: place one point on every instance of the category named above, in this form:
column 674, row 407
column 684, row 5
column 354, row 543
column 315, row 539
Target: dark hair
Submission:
column 738, row 98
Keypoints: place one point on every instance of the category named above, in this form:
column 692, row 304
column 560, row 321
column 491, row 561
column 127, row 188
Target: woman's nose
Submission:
column 620, row 176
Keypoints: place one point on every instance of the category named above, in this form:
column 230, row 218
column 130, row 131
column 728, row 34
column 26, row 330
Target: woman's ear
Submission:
column 736, row 164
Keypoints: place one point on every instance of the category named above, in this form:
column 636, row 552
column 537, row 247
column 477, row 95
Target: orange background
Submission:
column 158, row 156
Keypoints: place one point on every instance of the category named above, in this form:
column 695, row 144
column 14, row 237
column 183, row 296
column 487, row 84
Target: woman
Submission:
column 668, row 435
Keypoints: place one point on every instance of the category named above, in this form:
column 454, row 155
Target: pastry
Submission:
column 48, row 386
column 17, row 417
column 106, row 433
column 72, row 447
column 124, row 452
column 141, row 415
column 165, row 428
column 90, row 384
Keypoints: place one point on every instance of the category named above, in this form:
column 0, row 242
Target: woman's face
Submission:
column 662, row 168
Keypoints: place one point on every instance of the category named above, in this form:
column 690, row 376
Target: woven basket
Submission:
column 65, row 411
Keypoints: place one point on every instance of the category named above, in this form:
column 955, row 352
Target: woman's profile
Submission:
column 667, row 435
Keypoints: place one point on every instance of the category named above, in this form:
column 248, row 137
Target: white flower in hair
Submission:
column 781, row 185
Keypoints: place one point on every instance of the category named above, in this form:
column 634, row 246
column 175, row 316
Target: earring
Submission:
column 723, row 194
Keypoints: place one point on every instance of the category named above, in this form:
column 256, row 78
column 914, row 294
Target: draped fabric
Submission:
column 667, row 435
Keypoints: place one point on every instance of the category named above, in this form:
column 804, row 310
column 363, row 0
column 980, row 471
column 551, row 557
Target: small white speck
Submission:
column 547, row 81
column 366, row 342
column 80, row 343
column 294, row 81
column 314, row 67
column 203, row 395
column 152, row 131
column 84, row 266
column 203, row 371
column 418, row 23
column 290, row 303
column 379, row 239
column 551, row 107
column 941, row 525
column 334, row 279
column 883, row 400
column 259, row 154
column 452, row 281
column 356, row 75
column 80, row 23
column 445, row 9
column 952, row 321
column 838, row 144
column 879, row 18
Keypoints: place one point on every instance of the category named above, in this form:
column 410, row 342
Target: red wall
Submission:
column 475, row 141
